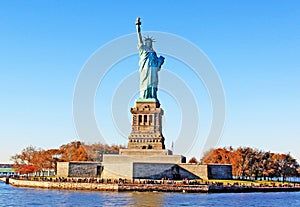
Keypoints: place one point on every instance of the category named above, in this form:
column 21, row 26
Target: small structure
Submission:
column 6, row 170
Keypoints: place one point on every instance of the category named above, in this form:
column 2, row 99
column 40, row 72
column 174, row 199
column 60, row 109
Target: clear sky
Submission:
column 254, row 46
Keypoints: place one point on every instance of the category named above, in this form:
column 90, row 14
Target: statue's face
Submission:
column 148, row 43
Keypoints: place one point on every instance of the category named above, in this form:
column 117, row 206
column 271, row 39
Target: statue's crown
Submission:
column 149, row 39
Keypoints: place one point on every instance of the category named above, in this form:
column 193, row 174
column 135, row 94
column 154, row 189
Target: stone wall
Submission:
column 62, row 169
column 121, row 166
column 83, row 169
column 78, row 169
column 158, row 171
column 143, row 167
column 222, row 172
column 64, row 185
column 196, row 169
column 160, row 166
column 209, row 171
column 117, row 166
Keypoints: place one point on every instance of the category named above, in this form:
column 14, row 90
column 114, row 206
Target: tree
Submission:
column 286, row 165
column 26, row 169
column 32, row 160
column 25, row 157
column 193, row 160
column 23, row 161
column 73, row 151
column 217, row 156
column 248, row 162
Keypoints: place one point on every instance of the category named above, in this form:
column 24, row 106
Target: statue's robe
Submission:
column 149, row 64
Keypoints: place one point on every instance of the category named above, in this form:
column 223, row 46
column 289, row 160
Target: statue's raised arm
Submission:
column 138, row 30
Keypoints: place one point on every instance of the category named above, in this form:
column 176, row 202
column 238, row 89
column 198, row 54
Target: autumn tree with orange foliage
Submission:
column 96, row 150
column 193, row 160
column 23, row 162
column 252, row 163
column 33, row 160
column 73, row 151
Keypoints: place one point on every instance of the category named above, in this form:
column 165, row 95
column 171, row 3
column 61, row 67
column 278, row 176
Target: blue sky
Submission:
column 254, row 46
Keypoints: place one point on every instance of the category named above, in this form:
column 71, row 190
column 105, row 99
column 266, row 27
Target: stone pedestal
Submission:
column 122, row 166
column 146, row 156
column 146, row 132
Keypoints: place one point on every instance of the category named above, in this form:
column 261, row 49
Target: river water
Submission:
column 12, row 196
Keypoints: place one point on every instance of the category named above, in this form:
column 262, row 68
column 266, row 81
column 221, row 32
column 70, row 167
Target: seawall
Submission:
column 4, row 179
column 164, row 188
column 64, row 185
column 249, row 189
column 147, row 187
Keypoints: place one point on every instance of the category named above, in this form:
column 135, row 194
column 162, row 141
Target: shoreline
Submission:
column 62, row 185
column 203, row 188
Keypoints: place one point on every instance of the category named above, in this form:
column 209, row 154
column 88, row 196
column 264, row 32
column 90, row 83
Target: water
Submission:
column 12, row 196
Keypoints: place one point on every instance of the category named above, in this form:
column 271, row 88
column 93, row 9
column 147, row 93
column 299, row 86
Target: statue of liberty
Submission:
column 149, row 65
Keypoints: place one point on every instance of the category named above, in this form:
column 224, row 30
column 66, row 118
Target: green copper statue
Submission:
column 149, row 64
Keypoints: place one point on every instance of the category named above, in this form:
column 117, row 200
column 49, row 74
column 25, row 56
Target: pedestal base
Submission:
column 122, row 166
column 146, row 129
